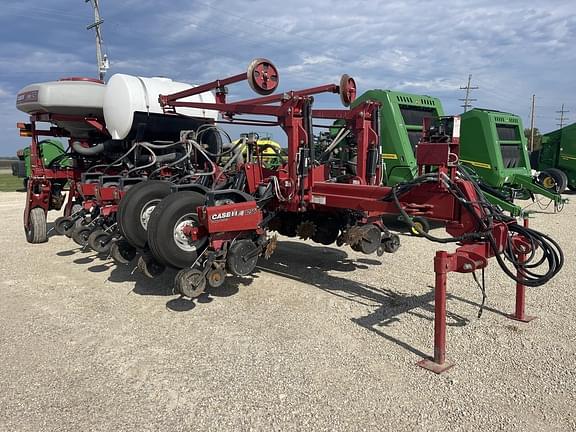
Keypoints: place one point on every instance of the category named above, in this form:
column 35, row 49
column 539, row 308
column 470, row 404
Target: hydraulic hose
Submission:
column 88, row 151
column 544, row 251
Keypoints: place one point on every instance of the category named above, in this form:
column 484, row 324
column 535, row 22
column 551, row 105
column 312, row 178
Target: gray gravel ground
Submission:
column 319, row 339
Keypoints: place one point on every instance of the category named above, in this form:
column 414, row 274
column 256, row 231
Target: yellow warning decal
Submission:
column 477, row 164
column 389, row 156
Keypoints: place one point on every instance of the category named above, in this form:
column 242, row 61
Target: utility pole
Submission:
column 532, row 116
column 467, row 99
column 101, row 59
column 562, row 118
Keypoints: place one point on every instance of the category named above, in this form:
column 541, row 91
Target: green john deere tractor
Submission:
column 557, row 157
column 493, row 145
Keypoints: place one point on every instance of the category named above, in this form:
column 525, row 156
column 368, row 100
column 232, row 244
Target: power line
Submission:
column 101, row 59
column 532, row 119
column 467, row 99
column 562, row 118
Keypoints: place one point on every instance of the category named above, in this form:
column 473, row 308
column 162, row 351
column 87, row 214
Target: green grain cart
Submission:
column 558, row 156
column 492, row 143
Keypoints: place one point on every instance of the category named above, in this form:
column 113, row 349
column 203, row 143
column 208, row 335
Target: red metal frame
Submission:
column 520, row 304
column 39, row 188
column 432, row 200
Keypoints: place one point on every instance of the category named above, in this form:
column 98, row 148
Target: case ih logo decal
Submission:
column 31, row 96
column 232, row 213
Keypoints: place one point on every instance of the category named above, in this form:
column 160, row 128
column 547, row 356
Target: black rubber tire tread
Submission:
column 122, row 252
column 131, row 205
column 61, row 223
column 81, row 234
column 161, row 228
column 559, row 177
column 425, row 223
column 36, row 231
column 95, row 238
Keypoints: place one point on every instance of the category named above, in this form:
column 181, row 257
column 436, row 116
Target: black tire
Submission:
column 166, row 242
column 421, row 223
column 122, row 252
column 63, row 224
column 100, row 241
column 134, row 209
column 36, row 230
column 572, row 188
column 80, row 235
column 560, row 179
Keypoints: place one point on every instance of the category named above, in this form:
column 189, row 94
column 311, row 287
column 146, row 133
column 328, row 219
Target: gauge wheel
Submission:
column 137, row 206
column 167, row 227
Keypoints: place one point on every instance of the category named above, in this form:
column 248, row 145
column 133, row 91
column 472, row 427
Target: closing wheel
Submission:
column 68, row 229
column 36, row 230
column 169, row 226
column 149, row 266
column 263, row 76
column 242, row 258
column 137, row 206
column 347, row 90
column 190, row 282
column 100, row 241
column 391, row 244
column 419, row 225
column 216, row 277
column 63, row 224
column 371, row 240
column 80, row 235
column 122, row 252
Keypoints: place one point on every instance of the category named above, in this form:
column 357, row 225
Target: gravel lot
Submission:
column 319, row 339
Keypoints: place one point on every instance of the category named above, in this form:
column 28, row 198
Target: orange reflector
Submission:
column 25, row 133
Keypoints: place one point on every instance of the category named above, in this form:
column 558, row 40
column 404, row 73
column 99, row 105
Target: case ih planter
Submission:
column 209, row 233
column 217, row 213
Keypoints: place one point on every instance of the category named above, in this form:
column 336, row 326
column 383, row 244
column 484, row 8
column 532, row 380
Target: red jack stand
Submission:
column 519, row 313
column 438, row 363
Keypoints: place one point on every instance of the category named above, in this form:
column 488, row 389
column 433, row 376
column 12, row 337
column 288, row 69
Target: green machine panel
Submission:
column 401, row 117
column 559, row 151
column 493, row 144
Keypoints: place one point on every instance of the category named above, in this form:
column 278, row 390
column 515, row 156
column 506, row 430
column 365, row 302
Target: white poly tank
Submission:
column 131, row 100
column 82, row 97
column 70, row 96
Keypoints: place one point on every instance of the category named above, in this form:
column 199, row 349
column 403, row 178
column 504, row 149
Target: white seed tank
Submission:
column 131, row 100
column 69, row 96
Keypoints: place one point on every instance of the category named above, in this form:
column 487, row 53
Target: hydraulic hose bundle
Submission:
column 541, row 251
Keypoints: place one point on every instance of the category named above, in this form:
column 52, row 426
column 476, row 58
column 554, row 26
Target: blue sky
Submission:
column 513, row 48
